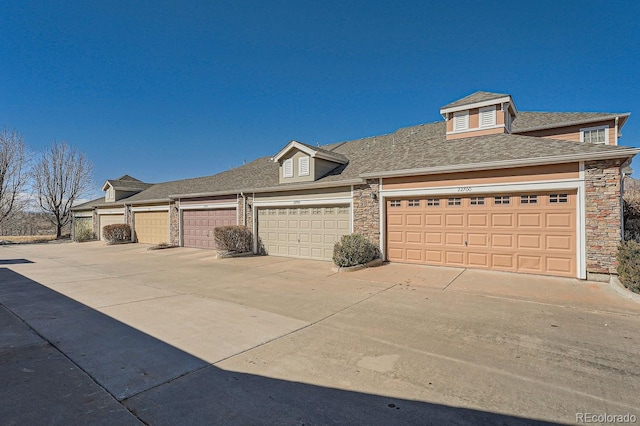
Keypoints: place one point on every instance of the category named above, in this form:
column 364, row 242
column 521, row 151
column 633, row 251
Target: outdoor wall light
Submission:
column 374, row 196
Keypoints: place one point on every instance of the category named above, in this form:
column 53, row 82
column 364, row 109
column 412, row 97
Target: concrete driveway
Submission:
column 96, row 334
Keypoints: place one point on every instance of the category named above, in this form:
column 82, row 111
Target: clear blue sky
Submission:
column 165, row 90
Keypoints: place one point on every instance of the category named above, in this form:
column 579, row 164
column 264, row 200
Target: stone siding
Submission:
column 603, row 215
column 174, row 223
column 96, row 225
column 366, row 210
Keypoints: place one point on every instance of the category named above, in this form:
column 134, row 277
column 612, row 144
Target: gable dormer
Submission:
column 299, row 162
column 481, row 113
column 123, row 187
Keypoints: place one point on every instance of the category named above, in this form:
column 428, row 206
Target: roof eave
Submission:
column 480, row 104
column 154, row 201
column 569, row 158
column 294, row 187
column 309, row 151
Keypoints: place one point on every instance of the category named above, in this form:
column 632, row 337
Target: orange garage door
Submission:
column 533, row 232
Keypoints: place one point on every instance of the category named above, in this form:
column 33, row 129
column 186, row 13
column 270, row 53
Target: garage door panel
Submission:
column 561, row 265
column 433, row 256
column 454, row 220
column 433, row 219
column 454, row 239
column 533, row 242
column 502, row 241
column 502, row 260
column 454, row 257
column 560, row 242
column 478, row 220
column 478, row 240
column 478, row 260
column 502, row 220
column 529, row 220
column 560, row 220
column 530, row 263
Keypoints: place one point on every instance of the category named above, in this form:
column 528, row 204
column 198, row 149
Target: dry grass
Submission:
column 27, row 238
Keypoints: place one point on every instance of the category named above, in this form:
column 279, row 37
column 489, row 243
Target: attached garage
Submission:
column 306, row 232
column 519, row 232
column 108, row 219
column 198, row 226
column 151, row 227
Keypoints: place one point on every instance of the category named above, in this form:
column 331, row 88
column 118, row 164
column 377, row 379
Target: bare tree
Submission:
column 60, row 177
column 13, row 174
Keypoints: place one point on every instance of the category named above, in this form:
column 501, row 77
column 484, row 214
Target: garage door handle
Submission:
column 465, row 243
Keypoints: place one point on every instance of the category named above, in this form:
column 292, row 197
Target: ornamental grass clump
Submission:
column 354, row 249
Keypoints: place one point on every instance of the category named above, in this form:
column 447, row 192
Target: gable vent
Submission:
column 487, row 116
column 303, row 166
column 287, row 168
column 460, row 121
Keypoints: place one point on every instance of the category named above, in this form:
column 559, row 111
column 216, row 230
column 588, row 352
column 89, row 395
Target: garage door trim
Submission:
column 150, row 209
column 210, row 206
column 569, row 185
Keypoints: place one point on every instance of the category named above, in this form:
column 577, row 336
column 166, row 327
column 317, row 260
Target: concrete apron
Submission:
column 398, row 344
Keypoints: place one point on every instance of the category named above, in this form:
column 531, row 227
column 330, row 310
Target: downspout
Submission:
column 244, row 209
column 616, row 131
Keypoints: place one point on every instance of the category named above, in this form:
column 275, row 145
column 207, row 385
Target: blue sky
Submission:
column 165, row 90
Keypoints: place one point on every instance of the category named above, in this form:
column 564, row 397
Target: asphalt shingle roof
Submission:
column 475, row 97
column 529, row 121
column 421, row 146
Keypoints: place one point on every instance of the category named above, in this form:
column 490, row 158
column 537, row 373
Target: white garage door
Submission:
column 306, row 232
column 109, row 219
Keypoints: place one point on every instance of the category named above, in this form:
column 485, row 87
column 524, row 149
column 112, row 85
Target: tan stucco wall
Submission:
column 498, row 176
column 572, row 133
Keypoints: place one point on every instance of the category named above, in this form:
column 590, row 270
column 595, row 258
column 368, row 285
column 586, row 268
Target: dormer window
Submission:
column 597, row 135
column 287, row 168
column 303, row 166
column 460, row 121
column 488, row 116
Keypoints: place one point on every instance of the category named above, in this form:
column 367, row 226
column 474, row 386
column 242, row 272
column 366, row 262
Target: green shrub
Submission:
column 629, row 265
column 233, row 238
column 117, row 233
column 354, row 249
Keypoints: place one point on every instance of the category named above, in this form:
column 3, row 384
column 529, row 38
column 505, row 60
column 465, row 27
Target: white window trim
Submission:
column 285, row 163
column 481, row 111
column 588, row 129
column 461, row 115
column 304, row 171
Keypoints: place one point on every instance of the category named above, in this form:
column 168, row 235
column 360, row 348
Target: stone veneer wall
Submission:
column 95, row 224
column 366, row 210
column 174, row 223
column 603, row 215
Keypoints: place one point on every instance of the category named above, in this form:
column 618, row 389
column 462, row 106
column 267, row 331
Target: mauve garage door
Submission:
column 199, row 226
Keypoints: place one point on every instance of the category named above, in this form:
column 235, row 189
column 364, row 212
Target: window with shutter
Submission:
column 460, row 121
column 488, row 116
column 303, row 166
column 287, row 168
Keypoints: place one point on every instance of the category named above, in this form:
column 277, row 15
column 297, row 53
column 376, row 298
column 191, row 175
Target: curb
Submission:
column 372, row 264
column 622, row 290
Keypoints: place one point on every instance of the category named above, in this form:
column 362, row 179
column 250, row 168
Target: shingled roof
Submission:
column 416, row 147
column 126, row 183
column 530, row 121
column 475, row 98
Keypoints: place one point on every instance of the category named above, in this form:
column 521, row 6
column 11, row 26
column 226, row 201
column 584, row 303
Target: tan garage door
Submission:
column 109, row 219
column 533, row 232
column 152, row 227
column 198, row 226
column 306, row 232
